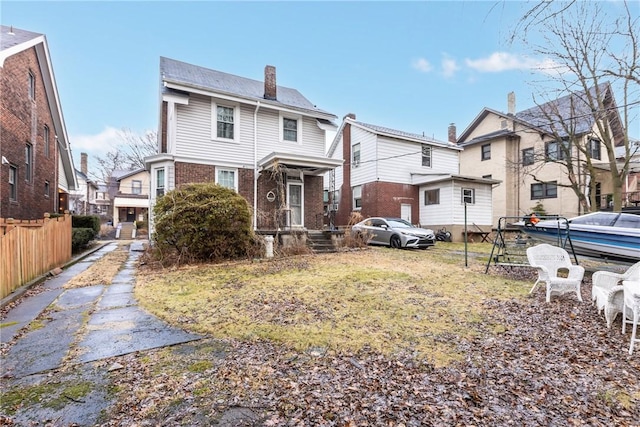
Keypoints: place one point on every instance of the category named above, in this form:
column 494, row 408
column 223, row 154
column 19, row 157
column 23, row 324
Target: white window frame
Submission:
column 290, row 116
column 356, row 153
column 47, row 189
column 28, row 162
column 468, row 196
column 426, row 155
column 214, row 120
column 135, row 187
column 235, row 176
column 13, row 183
column 32, row 86
column 160, row 185
column 356, row 192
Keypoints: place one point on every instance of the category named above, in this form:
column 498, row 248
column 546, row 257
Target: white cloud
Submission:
column 94, row 145
column 504, row 61
column 449, row 66
column 422, row 65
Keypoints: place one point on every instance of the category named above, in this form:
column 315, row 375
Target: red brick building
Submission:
column 37, row 169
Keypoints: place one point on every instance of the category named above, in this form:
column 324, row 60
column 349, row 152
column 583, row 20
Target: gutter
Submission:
column 255, row 166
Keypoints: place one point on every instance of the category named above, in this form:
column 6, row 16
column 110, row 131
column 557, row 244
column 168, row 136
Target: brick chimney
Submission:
column 83, row 163
column 270, row 88
column 511, row 103
column 452, row 133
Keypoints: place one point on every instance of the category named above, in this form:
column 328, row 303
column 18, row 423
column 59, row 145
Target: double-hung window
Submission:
column 13, row 183
column 557, row 150
column 357, row 197
column 227, row 178
column 544, row 190
column 468, row 196
column 32, row 86
column 136, row 186
column 355, row 155
column 528, row 156
column 47, row 144
column 426, row 155
column 225, row 122
column 159, row 182
column 28, row 162
column 289, row 129
column 593, row 147
column 47, row 189
column 486, row 152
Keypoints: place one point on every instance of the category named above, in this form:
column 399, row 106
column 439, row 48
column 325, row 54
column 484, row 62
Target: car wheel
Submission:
column 395, row 242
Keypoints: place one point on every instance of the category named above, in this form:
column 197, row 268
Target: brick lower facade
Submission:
column 22, row 122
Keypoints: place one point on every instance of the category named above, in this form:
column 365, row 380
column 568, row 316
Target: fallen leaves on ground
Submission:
column 102, row 271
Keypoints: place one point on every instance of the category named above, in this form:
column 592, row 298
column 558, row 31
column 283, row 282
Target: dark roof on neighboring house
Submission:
column 572, row 111
column 14, row 36
column 217, row 81
column 489, row 136
column 401, row 134
column 121, row 174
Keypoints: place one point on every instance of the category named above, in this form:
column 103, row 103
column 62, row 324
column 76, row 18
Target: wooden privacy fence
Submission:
column 31, row 248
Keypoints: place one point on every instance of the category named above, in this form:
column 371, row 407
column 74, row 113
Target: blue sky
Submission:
column 412, row 66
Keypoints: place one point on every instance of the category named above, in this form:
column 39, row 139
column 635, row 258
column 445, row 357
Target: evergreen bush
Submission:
column 202, row 222
column 86, row 221
column 80, row 238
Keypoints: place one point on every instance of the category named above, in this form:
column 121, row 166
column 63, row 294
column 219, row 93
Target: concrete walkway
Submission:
column 96, row 321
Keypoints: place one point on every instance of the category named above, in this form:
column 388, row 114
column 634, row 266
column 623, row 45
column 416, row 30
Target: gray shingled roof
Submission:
column 402, row 134
column 10, row 36
column 217, row 81
column 488, row 137
column 571, row 111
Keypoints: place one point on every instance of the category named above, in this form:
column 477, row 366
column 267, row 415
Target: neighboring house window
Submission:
column 47, row 189
column 136, row 187
column 486, row 151
column 355, row 155
column 46, row 141
column 593, row 146
column 527, row 156
column 13, row 182
column 32, row 86
column 160, row 182
column 227, row 178
column 432, row 197
column 468, row 196
column 426, row 155
column 557, row 150
column 357, row 197
column 28, row 162
column 225, row 122
column 544, row 190
column 289, row 129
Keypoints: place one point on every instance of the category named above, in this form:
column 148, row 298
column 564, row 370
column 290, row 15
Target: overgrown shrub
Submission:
column 142, row 225
column 86, row 221
column 355, row 240
column 80, row 238
column 203, row 222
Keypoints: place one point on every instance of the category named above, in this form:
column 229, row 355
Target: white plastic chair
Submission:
column 549, row 260
column 631, row 312
column 607, row 294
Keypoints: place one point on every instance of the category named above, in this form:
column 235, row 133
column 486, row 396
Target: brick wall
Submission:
column 313, row 204
column 345, row 204
column 22, row 121
column 190, row 173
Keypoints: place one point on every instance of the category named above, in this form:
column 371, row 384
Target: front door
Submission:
column 294, row 201
column 405, row 212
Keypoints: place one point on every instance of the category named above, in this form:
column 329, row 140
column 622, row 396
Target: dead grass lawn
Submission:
column 102, row 271
column 416, row 302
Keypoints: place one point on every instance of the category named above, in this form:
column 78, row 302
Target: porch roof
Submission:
column 130, row 202
column 310, row 165
column 419, row 179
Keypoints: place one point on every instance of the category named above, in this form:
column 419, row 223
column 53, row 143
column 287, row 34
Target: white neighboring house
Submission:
column 392, row 173
column 266, row 142
column 131, row 203
column 82, row 200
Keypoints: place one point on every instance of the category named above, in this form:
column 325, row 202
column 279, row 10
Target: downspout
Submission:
column 255, row 167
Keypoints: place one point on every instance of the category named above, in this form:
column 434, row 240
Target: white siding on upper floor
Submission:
column 366, row 171
column 62, row 178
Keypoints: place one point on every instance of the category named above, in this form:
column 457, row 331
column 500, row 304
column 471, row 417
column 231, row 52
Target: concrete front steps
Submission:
column 320, row 241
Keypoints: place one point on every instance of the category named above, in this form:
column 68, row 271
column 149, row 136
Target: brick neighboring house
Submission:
column 392, row 173
column 265, row 141
column 37, row 169
column 519, row 149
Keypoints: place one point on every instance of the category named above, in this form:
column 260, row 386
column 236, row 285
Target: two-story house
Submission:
column 82, row 200
column 265, row 141
column 37, row 172
column 392, row 173
column 131, row 202
column 527, row 152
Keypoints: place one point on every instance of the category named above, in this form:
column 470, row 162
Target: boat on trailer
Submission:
column 597, row 234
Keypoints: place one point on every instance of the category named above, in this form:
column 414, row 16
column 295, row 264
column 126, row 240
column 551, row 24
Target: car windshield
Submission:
column 399, row 223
